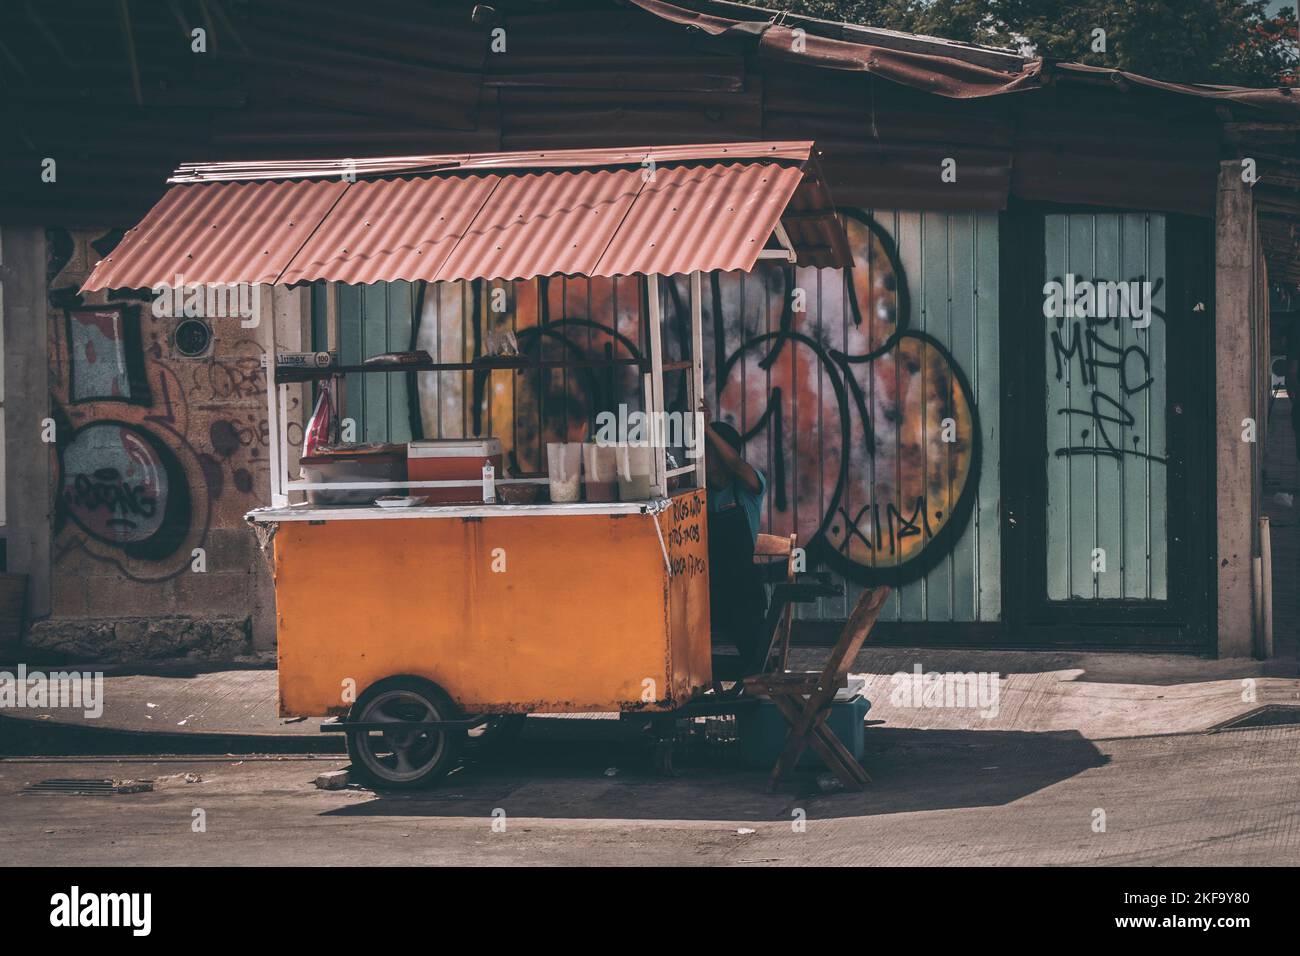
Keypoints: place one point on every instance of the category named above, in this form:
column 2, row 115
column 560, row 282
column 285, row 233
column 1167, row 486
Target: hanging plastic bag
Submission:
column 322, row 426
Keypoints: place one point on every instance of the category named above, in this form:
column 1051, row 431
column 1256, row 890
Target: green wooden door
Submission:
column 1106, row 428
column 1107, row 385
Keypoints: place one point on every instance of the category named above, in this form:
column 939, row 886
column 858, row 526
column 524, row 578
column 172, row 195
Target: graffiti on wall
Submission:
column 869, row 426
column 1109, row 373
column 149, row 448
column 123, row 487
column 553, row 319
column 866, row 427
column 104, row 356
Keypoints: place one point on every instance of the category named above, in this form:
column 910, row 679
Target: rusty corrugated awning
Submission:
column 218, row 234
column 598, row 212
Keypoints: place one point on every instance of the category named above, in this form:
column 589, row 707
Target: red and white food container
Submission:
column 452, row 459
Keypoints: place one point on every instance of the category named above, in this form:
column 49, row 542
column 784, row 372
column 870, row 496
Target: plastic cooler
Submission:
column 380, row 464
column 762, row 730
column 452, row 459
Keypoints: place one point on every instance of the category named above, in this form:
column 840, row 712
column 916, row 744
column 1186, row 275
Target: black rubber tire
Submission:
column 416, row 758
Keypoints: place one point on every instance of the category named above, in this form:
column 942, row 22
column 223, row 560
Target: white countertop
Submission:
column 308, row 512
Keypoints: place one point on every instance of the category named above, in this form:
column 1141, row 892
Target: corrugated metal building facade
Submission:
column 896, row 409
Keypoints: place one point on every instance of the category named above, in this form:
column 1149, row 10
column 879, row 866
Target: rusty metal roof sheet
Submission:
column 719, row 215
column 932, row 64
column 406, row 226
column 599, row 212
column 218, row 234
column 542, row 223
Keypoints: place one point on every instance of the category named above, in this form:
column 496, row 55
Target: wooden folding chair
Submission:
column 772, row 549
column 804, row 698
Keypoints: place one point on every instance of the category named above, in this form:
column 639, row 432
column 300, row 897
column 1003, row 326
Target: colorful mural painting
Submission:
column 871, row 425
column 866, row 427
column 125, row 488
column 154, row 451
column 105, row 361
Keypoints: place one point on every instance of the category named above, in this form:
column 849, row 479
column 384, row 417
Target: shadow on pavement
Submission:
column 563, row 777
column 21, row 737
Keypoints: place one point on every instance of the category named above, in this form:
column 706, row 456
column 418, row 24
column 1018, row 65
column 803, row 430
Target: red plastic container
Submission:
column 453, row 459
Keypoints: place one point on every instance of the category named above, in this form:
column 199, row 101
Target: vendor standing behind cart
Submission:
column 737, row 600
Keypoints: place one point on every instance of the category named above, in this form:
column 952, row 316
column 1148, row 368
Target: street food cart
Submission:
column 419, row 622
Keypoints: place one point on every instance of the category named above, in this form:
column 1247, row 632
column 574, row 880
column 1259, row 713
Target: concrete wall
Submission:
column 131, row 523
column 1241, row 377
column 28, row 499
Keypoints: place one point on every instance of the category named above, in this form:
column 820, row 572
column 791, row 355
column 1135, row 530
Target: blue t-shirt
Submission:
column 737, row 493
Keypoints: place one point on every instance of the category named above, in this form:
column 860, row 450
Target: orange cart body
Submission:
column 527, row 612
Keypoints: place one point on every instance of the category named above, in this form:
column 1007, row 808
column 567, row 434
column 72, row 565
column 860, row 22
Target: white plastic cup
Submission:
column 600, row 472
column 633, row 472
column 564, row 470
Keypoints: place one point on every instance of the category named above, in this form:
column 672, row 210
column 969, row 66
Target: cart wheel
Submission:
column 404, row 758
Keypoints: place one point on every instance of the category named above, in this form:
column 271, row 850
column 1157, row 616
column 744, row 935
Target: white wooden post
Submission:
column 697, row 374
column 279, row 498
column 656, row 398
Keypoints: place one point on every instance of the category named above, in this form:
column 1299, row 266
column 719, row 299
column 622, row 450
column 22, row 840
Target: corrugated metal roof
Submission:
column 492, row 216
column 410, row 225
column 538, row 224
column 218, row 234
column 719, row 215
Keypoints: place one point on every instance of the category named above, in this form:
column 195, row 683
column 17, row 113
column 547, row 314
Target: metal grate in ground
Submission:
column 1270, row 715
column 87, row 788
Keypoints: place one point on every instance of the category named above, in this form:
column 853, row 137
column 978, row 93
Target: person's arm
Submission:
column 741, row 470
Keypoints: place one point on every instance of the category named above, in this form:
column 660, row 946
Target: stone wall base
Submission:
column 131, row 640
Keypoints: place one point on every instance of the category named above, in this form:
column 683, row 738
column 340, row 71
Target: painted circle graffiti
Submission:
column 866, row 427
column 868, row 430
column 122, row 486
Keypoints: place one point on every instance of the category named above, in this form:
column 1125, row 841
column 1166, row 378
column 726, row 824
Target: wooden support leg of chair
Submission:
column 823, row 742
column 802, row 714
column 806, row 715
column 795, row 741
column 835, row 755
column 846, row 756
column 837, row 759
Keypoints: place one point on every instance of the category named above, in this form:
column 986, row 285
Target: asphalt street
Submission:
column 938, row 797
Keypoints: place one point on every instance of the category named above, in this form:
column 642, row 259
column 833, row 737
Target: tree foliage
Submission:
column 1234, row 42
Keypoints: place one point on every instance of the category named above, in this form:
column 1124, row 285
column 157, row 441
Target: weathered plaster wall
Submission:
column 26, row 403
column 157, row 454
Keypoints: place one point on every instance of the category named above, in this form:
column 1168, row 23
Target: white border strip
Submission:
column 368, row 513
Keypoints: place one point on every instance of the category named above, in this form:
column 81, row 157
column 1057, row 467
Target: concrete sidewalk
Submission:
column 1097, row 696
column 179, row 701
